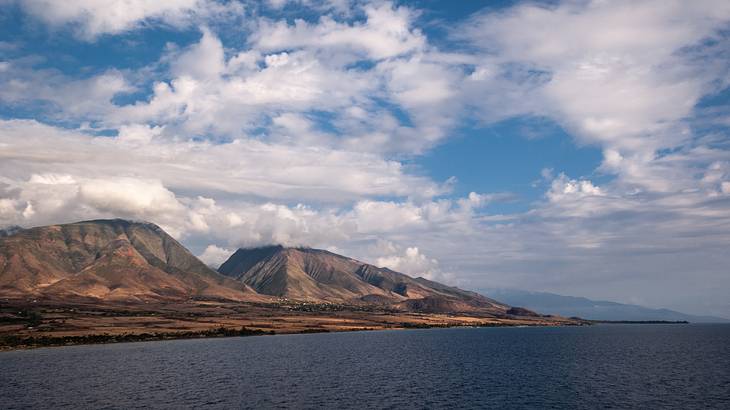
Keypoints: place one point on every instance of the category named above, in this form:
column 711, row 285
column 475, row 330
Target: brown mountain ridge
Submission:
column 322, row 276
column 113, row 260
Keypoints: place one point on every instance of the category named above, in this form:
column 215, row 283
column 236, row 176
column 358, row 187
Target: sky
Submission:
column 574, row 147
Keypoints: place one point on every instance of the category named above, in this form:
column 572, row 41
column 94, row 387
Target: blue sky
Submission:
column 575, row 147
column 509, row 157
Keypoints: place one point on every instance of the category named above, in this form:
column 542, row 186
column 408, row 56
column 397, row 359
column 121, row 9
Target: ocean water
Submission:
column 605, row 366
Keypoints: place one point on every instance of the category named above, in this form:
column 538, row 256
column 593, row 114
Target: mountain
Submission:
column 323, row 276
column 108, row 259
column 591, row 309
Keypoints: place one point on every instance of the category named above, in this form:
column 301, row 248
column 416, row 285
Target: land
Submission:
column 115, row 280
column 29, row 323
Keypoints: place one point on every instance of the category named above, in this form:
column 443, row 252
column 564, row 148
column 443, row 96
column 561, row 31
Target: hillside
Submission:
column 322, row 276
column 110, row 260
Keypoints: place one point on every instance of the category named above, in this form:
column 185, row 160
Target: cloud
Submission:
column 63, row 98
column 236, row 193
column 55, row 198
column 96, row 17
column 128, row 196
column 202, row 60
column 619, row 74
column 374, row 85
column 211, row 96
column 375, row 216
column 214, row 256
column 386, row 33
column 245, row 167
column 412, row 262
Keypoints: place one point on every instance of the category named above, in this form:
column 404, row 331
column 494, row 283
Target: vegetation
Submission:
column 15, row 341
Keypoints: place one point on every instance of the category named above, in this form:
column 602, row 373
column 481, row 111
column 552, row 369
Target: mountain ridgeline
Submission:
column 113, row 260
column 127, row 262
column 571, row 306
column 323, row 276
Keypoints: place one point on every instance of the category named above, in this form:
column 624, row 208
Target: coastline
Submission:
column 32, row 342
column 28, row 325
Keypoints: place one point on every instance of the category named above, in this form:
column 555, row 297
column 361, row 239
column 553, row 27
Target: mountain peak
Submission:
column 323, row 276
column 107, row 259
column 120, row 222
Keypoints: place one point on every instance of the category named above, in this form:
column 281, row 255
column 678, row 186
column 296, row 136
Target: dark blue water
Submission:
column 608, row 366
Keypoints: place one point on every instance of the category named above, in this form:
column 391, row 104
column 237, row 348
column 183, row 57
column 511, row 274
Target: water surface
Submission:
column 605, row 366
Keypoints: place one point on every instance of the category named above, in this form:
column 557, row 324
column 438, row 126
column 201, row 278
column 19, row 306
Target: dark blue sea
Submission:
column 598, row 367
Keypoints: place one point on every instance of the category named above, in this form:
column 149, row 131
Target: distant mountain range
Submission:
column 570, row 306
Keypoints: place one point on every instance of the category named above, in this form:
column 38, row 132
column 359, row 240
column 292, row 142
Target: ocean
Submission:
column 602, row 366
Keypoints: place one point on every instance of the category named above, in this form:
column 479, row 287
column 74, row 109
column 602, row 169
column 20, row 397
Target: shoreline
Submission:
column 33, row 324
column 39, row 342
column 18, row 343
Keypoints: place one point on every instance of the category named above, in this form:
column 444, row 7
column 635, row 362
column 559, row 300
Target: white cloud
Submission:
column 214, row 256
column 341, row 68
column 128, row 196
column 387, row 33
column 412, row 262
column 95, row 17
column 616, row 73
column 375, row 216
column 563, row 187
column 80, row 99
column 8, row 209
column 209, row 95
column 203, row 60
column 242, row 167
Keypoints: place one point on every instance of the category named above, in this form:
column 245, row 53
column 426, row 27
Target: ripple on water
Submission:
column 613, row 366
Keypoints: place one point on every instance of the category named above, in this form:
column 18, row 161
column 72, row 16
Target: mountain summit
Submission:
column 322, row 276
column 108, row 259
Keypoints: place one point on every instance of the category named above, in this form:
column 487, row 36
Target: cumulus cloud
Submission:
column 617, row 73
column 387, row 32
column 66, row 99
column 333, row 71
column 95, row 17
column 410, row 261
column 245, row 167
column 214, row 256
column 54, row 198
column 128, row 196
